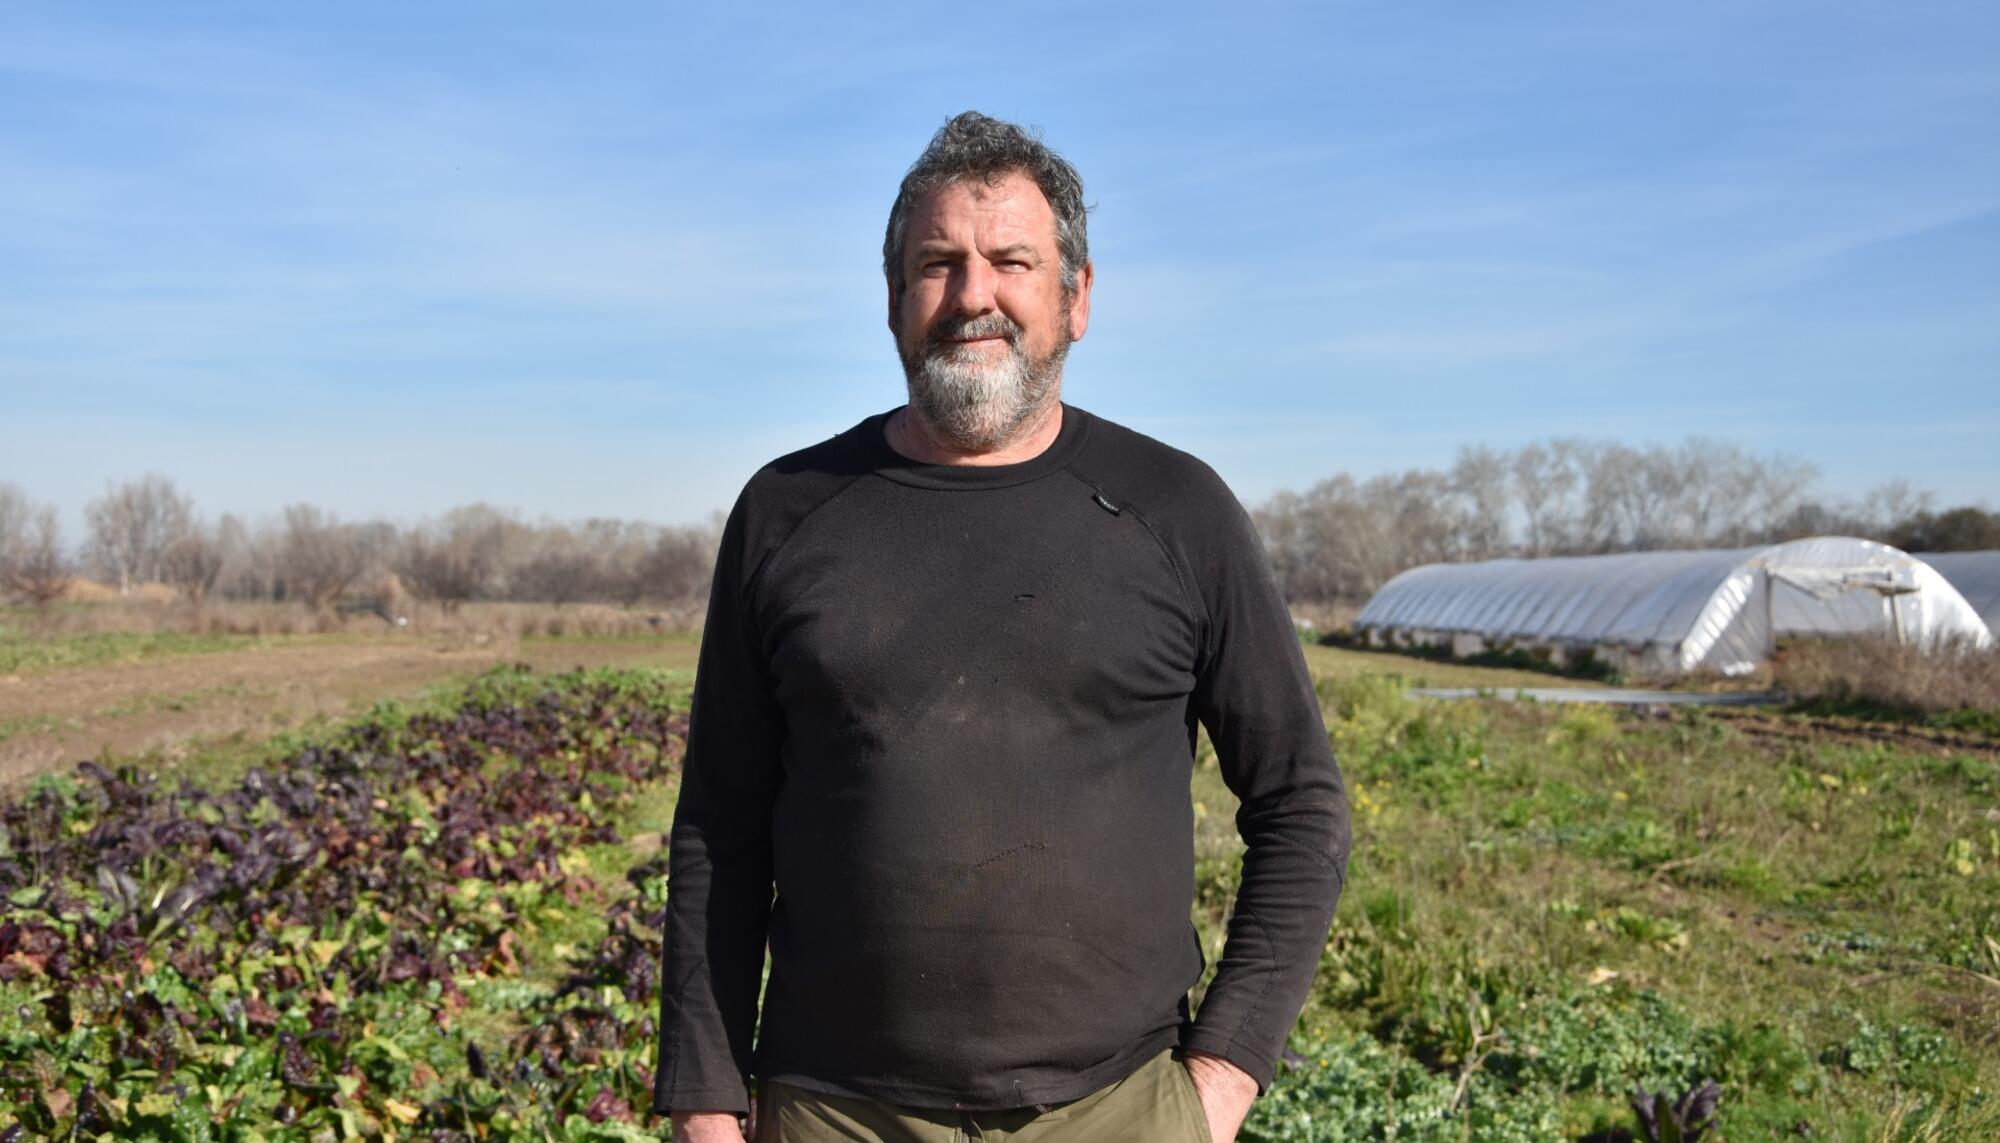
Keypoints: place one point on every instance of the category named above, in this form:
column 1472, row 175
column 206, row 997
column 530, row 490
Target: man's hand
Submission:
column 710, row 1127
column 1226, row 1092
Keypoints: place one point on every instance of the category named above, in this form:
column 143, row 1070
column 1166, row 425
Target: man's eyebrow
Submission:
column 937, row 247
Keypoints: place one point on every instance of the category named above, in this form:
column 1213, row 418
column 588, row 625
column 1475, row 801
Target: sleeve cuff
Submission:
column 1259, row 1066
column 732, row 1100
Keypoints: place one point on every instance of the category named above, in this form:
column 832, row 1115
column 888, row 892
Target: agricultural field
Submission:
column 1549, row 906
column 174, row 698
column 437, row 918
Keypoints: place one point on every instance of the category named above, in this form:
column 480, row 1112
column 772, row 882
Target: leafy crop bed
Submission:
column 320, row 951
column 443, row 925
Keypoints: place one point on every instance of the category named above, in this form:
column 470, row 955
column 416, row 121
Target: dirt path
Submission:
column 1600, row 696
column 51, row 719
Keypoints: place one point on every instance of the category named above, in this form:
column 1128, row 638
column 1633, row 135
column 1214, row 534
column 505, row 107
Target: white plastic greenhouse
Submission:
column 1669, row 613
column 1976, row 575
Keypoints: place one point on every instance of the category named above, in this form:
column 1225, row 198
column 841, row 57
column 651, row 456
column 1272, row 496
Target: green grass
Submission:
column 1972, row 720
column 688, row 638
column 22, row 651
column 1336, row 663
column 34, row 724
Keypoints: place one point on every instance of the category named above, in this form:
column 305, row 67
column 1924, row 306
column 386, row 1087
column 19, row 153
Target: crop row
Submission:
column 343, row 945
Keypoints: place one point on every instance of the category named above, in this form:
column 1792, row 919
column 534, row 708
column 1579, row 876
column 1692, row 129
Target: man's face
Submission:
column 983, row 322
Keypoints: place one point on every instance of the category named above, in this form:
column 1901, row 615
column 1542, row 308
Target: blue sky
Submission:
column 607, row 259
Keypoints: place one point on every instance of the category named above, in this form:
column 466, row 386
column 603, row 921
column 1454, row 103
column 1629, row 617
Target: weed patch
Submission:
column 1552, row 905
column 1953, row 687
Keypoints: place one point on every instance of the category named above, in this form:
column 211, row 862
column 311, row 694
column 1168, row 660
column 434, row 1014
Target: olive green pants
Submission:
column 1156, row 1104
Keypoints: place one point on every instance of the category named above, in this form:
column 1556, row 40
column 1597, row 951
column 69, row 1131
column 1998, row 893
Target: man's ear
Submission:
column 891, row 282
column 1079, row 306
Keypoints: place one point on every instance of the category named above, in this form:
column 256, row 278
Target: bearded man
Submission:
column 945, row 717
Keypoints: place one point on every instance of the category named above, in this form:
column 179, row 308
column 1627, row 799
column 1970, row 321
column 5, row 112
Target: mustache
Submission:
column 951, row 329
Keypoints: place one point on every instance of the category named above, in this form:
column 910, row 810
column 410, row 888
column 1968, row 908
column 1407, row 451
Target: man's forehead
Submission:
column 1012, row 201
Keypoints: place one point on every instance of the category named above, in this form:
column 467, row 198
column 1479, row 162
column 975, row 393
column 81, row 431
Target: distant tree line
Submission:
column 147, row 531
column 1337, row 541
column 1343, row 538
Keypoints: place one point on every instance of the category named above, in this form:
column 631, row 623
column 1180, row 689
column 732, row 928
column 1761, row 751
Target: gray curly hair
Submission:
column 975, row 146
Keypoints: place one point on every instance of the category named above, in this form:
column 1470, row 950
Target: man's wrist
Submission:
column 1225, row 1092
column 1206, row 1042
column 1221, row 1069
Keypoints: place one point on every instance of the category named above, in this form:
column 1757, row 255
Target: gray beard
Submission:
column 969, row 404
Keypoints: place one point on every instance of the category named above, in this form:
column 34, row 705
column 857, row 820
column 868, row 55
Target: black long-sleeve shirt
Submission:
column 944, row 720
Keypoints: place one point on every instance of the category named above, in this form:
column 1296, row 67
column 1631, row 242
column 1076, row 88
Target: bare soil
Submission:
column 51, row 719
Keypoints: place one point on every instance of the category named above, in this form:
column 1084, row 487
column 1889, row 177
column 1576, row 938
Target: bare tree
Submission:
column 317, row 556
column 131, row 526
column 456, row 558
column 1711, row 485
column 249, row 558
column 678, row 566
column 1343, row 538
column 1338, row 540
column 1889, row 504
column 1547, row 481
column 1781, row 491
column 1626, row 500
column 557, row 570
column 39, row 571
column 1422, row 527
column 15, row 511
column 193, row 561
column 620, row 547
column 1479, row 482
column 1311, row 538
column 434, row 569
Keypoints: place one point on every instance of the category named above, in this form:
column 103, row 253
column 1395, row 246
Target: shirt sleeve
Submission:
column 1256, row 698
column 719, row 864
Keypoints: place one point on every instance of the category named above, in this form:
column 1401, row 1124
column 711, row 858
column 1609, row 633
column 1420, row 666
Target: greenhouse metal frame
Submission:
column 1674, row 612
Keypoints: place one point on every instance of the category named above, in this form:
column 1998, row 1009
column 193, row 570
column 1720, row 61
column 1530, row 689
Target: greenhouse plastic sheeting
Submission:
column 1976, row 575
column 1673, row 612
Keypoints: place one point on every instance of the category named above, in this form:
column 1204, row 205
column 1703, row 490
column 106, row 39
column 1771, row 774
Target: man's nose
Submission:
column 974, row 293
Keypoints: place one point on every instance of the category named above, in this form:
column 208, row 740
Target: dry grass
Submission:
column 151, row 612
column 1330, row 662
column 1892, row 677
column 144, row 615
column 580, row 620
column 1325, row 617
column 90, row 591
